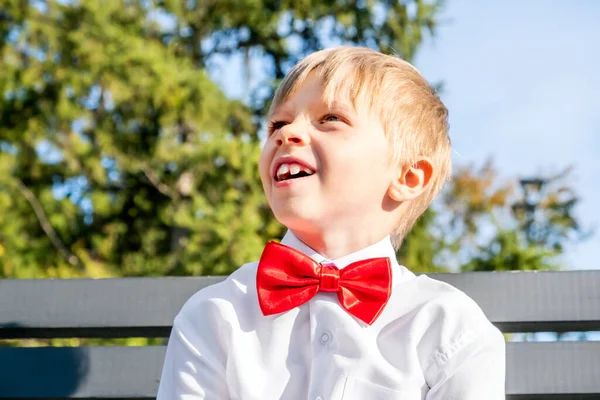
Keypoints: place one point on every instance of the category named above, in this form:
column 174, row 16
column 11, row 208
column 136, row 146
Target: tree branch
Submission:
column 153, row 178
column 46, row 226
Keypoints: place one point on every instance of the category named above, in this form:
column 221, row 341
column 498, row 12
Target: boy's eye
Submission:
column 273, row 126
column 330, row 118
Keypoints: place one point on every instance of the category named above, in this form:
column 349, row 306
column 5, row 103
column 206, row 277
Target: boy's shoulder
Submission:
column 435, row 290
column 231, row 297
column 446, row 320
column 441, row 301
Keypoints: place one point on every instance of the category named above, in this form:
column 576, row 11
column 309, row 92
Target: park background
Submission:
column 130, row 130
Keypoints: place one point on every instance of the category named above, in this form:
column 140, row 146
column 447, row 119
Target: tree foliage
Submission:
column 119, row 155
column 485, row 223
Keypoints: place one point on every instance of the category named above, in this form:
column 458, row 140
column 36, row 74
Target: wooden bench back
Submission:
column 145, row 307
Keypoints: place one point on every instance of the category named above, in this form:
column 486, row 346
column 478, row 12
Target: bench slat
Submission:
column 108, row 308
column 567, row 370
column 80, row 372
column 145, row 307
column 534, row 301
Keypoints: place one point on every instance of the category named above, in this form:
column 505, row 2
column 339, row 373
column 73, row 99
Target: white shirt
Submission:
column 431, row 342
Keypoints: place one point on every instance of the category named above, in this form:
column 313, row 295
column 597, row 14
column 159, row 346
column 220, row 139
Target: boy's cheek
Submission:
column 263, row 166
column 264, row 180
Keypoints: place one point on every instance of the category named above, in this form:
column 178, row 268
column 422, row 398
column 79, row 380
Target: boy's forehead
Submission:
column 297, row 103
column 316, row 91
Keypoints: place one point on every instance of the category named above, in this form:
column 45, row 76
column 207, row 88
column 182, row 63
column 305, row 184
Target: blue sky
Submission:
column 522, row 83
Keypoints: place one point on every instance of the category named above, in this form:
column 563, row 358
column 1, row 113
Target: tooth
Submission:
column 294, row 169
column 283, row 169
column 307, row 170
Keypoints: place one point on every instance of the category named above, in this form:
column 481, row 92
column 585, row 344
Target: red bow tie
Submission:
column 286, row 278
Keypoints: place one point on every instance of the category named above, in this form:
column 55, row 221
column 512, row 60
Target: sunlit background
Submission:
column 521, row 82
column 130, row 133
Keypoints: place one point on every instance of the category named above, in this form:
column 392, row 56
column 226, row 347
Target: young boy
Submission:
column 357, row 149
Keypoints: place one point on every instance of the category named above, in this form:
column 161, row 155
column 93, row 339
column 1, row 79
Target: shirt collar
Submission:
column 382, row 248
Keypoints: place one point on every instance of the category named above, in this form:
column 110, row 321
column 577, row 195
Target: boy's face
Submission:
column 325, row 167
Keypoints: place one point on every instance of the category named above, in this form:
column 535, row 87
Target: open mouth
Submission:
column 292, row 171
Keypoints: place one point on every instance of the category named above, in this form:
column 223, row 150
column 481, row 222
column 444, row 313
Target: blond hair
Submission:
column 413, row 116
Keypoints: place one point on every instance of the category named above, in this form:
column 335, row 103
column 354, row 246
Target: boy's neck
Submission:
column 333, row 245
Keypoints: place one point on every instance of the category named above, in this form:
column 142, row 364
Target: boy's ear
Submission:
column 413, row 180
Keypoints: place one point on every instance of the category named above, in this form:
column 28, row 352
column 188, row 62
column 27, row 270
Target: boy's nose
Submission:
column 289, row 135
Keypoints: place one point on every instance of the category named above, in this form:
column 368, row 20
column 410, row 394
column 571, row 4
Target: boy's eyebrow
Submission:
column 284, row 109
column 343, row 106
column 279, row 110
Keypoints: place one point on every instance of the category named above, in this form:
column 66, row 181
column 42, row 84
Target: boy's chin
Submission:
column 297, row 219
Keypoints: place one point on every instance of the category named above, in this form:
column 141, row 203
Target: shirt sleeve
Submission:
column 473, row 368
column 194, row 366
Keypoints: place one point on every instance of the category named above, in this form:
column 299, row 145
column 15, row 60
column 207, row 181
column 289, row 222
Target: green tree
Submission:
column 282, row 32
column 484, row 223
column 119, row 156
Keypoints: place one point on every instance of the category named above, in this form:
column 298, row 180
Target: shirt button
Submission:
column 324, row 339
